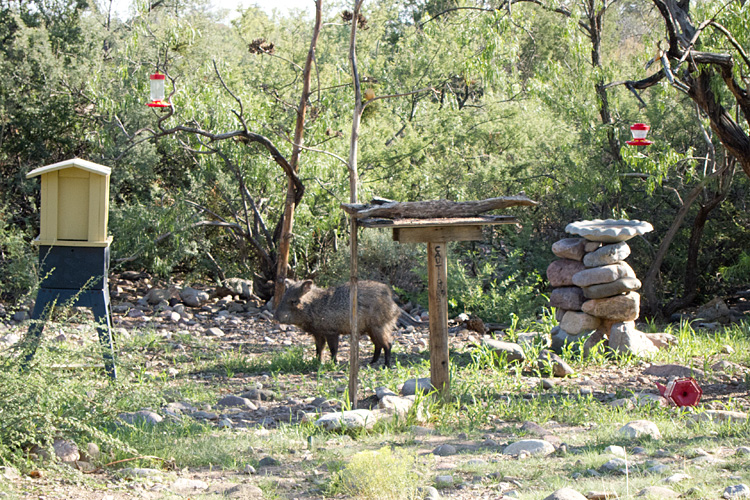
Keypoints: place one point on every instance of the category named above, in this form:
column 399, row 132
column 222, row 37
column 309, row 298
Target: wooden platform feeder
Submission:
column 74, row 247
column 435, row 223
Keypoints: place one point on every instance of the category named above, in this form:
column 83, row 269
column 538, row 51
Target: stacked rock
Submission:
column 595, row 291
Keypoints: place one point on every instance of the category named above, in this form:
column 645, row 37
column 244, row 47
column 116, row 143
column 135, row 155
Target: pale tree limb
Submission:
column 285, row 241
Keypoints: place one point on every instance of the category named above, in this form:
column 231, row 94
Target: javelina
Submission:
column 324, row 314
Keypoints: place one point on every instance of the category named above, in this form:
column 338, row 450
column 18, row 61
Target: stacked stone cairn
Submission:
column 595, row 296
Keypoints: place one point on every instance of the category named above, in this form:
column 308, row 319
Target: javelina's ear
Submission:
column 288, row 283
column 306, row 286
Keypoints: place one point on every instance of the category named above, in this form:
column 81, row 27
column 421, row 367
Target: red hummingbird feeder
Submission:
column 157, row 91
column 639, row 131
column 681, row 392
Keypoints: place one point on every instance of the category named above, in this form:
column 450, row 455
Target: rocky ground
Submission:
column 258, row 405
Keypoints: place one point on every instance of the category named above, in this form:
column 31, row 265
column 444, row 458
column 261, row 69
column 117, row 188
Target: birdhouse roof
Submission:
column 75, row 162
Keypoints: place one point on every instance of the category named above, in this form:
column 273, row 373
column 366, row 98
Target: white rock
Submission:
column 193, row 297
column 184, row 485
column 215, row 332
column 352, row 419
column 676, row 478
column 617, row 451
column 66, row 450
column 565, row 494
column 530, row 446
column 640, row 429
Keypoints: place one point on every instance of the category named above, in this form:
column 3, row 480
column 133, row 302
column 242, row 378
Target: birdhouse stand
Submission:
column 74, row 247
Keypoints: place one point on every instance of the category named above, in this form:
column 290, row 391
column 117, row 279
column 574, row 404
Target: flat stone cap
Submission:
column 75, row 162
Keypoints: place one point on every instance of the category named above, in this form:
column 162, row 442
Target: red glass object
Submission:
column 157, row 91
column 639, row 131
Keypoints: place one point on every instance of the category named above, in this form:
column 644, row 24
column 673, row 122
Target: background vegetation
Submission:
column 518, row 103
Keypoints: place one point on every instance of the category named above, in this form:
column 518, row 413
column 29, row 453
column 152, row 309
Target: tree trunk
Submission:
column 285, row 239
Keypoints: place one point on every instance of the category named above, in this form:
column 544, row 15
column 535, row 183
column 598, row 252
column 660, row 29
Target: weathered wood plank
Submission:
column 488, row 220
column 435, row 208
column 438, row 234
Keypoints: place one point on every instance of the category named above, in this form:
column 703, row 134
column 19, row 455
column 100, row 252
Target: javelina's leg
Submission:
column 376, row 354
column 320, row 342
column 387, row 360
column 333, row 345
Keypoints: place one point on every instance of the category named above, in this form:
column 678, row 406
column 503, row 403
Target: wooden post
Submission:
column 437, row 282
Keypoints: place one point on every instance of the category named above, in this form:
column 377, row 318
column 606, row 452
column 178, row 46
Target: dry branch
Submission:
column 435, row 208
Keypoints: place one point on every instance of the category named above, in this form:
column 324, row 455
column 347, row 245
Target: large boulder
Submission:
column 624, row 338
column 577, row 322
column 569, row 248
column 603, row 274
column 192, row 297
column 619, row 308
column 570, row 298
column 623, row 285
column 608, row 254
column 560, row 272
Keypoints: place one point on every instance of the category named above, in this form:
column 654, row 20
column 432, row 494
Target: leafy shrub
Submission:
column 379, row 475
column 497, row 290
column 37, row 405
column 18, row 269
column 380, row 259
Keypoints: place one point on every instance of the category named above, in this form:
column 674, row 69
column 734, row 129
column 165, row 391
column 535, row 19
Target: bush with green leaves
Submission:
column 382, row 474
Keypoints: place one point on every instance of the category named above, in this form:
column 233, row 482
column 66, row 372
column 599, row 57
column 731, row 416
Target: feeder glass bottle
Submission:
column 157, row 87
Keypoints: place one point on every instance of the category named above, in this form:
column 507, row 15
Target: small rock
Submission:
column 565, row 494
column 445, row 450
column 673, row 371
column 676, row 478
column 141, row 472
column 640, row 429
column 719, row 416
column 193, row 297
column 413, row 385
column 237, row 402
column 268, row 462
column 444, row 481
column 559, row 367
column 727, row 349
column 430, row 493
column 617, row 451
column 614, row 465
column 530, row 446
column 511, row 350
column 352, row 419
column 657, row 492
column 215, row 332
column 736, row 491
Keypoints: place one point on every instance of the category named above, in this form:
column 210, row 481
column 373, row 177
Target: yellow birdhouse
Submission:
column 75, row 204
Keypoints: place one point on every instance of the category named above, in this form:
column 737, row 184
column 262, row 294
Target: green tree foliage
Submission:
column 519, row 101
